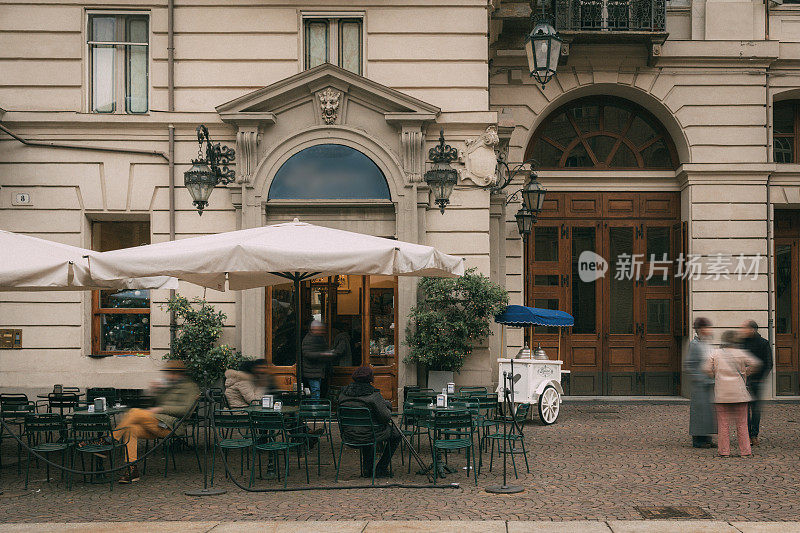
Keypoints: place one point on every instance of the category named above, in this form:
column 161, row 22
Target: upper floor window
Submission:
column 785, row 136
column 602, row 133
column 118, row 59
column 335, row 40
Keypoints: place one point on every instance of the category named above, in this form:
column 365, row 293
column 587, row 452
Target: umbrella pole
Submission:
column 298, row 355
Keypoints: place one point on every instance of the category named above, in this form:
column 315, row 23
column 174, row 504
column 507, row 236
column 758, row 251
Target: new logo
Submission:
column 591, row 266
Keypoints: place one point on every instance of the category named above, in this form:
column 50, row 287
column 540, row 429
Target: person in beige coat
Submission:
column 730, row 367
column 249, row 383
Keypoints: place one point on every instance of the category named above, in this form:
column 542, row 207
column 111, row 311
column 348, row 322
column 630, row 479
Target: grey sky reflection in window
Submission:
column 331, row 172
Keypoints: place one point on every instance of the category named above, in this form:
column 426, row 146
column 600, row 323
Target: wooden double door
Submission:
column 787, row 301
column 609, row 259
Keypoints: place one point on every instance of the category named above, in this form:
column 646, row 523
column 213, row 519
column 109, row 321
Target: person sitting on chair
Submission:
column 249, row 383
column 174, row 398
column 361, row 393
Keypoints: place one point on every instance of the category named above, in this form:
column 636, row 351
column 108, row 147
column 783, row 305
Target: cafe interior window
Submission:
column 336, row 40
column 359, row 313
column 120, row 319
column 118, row 62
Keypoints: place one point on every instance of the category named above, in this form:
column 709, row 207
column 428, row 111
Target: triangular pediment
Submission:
column 270, row 100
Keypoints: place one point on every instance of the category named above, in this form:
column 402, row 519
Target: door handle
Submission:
column 564, row 231
column 565, row 280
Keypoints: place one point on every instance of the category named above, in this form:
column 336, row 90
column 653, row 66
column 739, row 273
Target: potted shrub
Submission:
column 451, row 317
column 199, row 326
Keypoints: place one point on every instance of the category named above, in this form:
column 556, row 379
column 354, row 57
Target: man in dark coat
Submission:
column 361, row 393
column 316, row 358
column 761, row 350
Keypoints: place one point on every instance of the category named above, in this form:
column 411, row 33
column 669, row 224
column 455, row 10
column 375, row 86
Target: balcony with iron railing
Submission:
column 605, row 20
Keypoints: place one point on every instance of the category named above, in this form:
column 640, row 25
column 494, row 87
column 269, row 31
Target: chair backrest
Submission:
column 232, row 419
column 45, row 423
column 521, row 412
column 465, row 391
column 421, row 397
column 109, row 393
column 488, row 402
column 315, row 409
column 12, row 398
column 472, row 405
column 15, row 403
column 355, row 417
column 289, row 398
column 219, row 398
column 65, row 400
column 91, row 424
column 455, row 420
column 74, row 390
column 267, row 424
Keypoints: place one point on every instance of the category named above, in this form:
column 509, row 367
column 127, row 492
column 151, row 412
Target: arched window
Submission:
column 785, row 136
column 329, row 172
column 602, row 133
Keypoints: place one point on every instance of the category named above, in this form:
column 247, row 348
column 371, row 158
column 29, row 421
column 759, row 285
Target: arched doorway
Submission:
column 629, row 311
column 338, row 186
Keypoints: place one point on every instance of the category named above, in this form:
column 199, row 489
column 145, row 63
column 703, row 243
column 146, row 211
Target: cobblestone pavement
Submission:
column 599, row 462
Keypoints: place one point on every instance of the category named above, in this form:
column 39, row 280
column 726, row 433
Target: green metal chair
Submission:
column 109, row 393
column 514, row 436
column 270, row 434
column 313, row 413
column 13, row 409
column 92, row 435
column 231, row 432
column 354, row 418
column 453, row 430
column 47, row 433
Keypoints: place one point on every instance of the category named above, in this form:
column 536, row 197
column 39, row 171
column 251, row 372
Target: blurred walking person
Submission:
column 730, row 367
column 759, row 347
column 702, row 422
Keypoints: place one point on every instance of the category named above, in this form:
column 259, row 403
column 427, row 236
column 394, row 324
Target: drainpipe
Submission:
column 171, row 108
column 770, row 238
column 47, row 144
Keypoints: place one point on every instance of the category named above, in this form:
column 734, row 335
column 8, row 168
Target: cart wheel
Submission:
column 549, row 405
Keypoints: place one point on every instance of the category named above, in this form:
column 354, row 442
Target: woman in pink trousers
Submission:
column 730, row 367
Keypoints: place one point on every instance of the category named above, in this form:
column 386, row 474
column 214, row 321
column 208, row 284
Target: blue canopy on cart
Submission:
column 519, row 315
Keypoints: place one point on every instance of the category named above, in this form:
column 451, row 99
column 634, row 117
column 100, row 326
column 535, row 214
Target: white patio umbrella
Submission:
column 33, row 264
column 270, row 255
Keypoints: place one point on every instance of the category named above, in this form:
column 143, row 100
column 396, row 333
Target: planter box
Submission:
column 438, row 379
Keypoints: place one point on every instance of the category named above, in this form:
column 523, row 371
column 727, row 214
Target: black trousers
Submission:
column 390, row 445
column 754, row 408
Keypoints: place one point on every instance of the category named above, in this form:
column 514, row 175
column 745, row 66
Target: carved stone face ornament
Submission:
column 329, row 104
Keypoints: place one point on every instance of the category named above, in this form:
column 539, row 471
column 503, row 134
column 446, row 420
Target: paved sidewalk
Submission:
column 601, row 461
column 414, row 526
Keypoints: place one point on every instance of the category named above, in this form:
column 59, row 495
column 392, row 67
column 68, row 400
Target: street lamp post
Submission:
column 208, row 170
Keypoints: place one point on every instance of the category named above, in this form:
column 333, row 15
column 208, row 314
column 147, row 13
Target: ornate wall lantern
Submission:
column 532, row 194
column 543, row 48
column 442, row 178
column 208, row 171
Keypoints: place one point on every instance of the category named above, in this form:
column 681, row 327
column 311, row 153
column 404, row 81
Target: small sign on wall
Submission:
column 21, row 198
column 10, row 339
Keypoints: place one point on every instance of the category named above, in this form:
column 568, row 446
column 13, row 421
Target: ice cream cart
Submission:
column 537, row 381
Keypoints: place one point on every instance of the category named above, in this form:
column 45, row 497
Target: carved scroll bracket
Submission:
column 412, row 142
column 247, row 153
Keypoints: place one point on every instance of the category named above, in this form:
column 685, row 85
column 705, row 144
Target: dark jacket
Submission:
column 365, row 395
column 760, row 348
column 315, row 360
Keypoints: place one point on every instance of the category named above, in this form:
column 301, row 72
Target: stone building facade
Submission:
column 674, row 136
